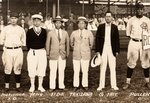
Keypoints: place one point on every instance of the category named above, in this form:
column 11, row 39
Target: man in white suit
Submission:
column 81, row 41
column 57, row 47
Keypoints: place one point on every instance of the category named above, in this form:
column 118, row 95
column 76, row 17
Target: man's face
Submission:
column 13, row 20
column 139, row 12
column 36, row 22
column 58, row 24
column 108, row 19
column 81, row 25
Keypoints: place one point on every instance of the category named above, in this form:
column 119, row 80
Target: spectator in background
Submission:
column 49, row 24
column 95, row 21
column 1, row 25
column 91, row 26
column 70, row 25
column 23, row 24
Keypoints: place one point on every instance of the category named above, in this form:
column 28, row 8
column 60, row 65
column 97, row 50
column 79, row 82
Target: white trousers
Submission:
column 134, row 52
column 108, row 57
column 12, row 59
column 55, row 65
column 37, row 62
column 84, row 66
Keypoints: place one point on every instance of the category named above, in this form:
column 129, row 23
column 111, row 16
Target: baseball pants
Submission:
column 84, row 66
column 55, row 65
column 37, row 62
column 12, row 59
column 108, row 57
column 134, row 51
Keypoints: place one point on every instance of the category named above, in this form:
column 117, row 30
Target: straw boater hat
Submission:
column 58, row 18
column 37, row 16
column 82, row 18
column 96, row 60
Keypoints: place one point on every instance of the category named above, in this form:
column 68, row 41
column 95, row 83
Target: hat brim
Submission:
column 37, row 18
column 93, row 63
column 82, row 20
column 58, row 20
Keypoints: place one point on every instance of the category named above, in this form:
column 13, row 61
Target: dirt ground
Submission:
column 136, row 94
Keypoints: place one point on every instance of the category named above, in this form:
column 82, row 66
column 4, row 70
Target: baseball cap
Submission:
column 14, row 14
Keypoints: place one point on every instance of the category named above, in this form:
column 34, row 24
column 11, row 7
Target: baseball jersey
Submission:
column 134, row 29
column 13, row 36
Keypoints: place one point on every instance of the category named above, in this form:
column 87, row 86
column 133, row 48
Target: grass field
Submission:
column 136, row 94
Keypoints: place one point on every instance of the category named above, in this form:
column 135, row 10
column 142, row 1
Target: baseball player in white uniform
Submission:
column 135, row 50
column 12, row 38
column 36, row 58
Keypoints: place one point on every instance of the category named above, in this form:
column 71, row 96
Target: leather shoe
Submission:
column 126, row 86
column 147, row 85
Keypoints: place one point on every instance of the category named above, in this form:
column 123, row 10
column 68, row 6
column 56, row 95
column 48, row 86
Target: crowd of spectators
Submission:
column 69, row 24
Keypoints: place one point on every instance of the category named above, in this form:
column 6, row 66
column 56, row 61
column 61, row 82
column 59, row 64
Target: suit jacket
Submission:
column 100, row 39
column 81, row 46
column 55, row 48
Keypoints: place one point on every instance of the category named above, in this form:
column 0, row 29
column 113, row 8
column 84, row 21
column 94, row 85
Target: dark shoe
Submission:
column 76, row 89
column 64, row 89
column 126, row 86
column 18, row 89
column 51, row 90
column 85, row 88
column 6, row 90
column 147, row 85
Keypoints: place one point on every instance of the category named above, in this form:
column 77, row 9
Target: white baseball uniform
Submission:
column 134, row 31
column 12, row 38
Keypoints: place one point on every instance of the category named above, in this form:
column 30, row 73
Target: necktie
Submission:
column 59, row 36
column 81, row 34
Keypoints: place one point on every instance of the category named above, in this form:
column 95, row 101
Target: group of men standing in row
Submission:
column 55, row 45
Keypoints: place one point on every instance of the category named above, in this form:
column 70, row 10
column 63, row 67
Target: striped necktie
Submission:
column 59, row 35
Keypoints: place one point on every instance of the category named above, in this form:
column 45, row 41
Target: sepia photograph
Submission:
column 74, row 51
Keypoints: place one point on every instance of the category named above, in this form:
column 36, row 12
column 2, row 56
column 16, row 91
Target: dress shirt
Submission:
column 107, row 34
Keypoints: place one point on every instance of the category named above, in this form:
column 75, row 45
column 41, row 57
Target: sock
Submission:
column 18, row 80
column 7, row 78
column 128, row 80
column 32, row 80
column 6, row 85
column 146, row 74
column 40, row 82
column 129, row 74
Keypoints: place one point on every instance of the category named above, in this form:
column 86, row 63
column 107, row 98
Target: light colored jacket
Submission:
column 81, row 45
column 54, row 48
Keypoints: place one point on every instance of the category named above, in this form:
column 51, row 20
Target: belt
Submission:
column 136, row 40
column 13, row 47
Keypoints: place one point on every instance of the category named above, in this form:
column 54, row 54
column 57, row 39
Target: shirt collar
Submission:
column 108, row 24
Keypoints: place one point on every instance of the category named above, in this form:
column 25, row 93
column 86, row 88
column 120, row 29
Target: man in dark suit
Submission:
column 108, row 45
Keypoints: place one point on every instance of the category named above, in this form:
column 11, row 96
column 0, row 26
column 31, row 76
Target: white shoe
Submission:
column 32, row 89
column 41, row 89
column 99, row 89
column 115, row 88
